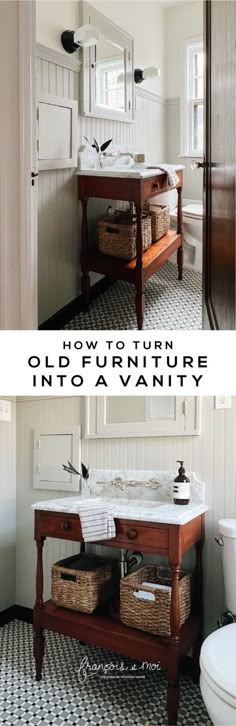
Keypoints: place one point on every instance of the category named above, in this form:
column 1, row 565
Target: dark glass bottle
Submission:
column 181, row 486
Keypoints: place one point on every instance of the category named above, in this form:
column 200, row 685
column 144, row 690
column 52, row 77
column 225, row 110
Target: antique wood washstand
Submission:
column 136, row 190
column 100, row 628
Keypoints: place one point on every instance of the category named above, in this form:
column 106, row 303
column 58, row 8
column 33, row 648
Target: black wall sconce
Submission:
column 82, row 37
column 151, row 72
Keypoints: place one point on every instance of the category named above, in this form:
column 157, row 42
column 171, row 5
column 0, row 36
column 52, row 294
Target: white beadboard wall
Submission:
column 211, row 456
column 58, row 208
column 7, row 510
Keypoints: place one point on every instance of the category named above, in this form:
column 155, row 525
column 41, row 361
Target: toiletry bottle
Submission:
column 181, row 486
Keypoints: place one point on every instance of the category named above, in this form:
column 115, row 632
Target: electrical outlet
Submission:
column 222, row 402
column 5, row 410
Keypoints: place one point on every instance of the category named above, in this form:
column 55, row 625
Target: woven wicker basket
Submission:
column 160, row 217
column 83, row 582
column 149, row 615
column 117, row 234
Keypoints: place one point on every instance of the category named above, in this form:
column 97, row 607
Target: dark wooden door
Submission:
column 219, row 158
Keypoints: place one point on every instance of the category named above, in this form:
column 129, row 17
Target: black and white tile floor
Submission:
column 169, row 304
column 61, row 698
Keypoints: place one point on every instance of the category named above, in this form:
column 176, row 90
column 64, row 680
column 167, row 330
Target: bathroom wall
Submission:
column 7, row 510
column 58, row 210
column 211, row 456
column 183, row 22
column 53, row 16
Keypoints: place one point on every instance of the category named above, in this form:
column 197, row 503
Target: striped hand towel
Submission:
column 97, row 521
column 172, row 176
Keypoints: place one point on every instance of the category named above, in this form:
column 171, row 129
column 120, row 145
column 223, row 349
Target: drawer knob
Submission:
column 65, row 525
column 132, row 534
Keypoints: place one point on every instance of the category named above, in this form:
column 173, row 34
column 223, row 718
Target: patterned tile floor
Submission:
column 169, row 304
column 65, row 696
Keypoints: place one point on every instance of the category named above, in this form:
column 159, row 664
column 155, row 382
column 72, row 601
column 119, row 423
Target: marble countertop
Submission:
column 139, row 510
column 142, row 171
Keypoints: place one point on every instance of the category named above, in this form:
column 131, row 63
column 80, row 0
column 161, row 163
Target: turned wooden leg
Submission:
column 180, row 231
column 173, row 662
column 173, row 690
column 85, row 279
column 38, row 630
column 38, row 652
column 180, row 255
column 139, row 271
column 140, row 309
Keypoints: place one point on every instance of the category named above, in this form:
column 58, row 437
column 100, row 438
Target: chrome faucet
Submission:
column 124, row 483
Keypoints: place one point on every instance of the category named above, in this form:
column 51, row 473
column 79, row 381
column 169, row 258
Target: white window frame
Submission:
column 102, row 67
column 191, row 47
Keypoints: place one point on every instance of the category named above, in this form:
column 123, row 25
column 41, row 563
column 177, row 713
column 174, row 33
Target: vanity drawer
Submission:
column 55, row 524
column 155, row 185
column 131, row 535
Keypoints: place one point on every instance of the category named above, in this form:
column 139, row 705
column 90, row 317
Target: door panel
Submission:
column 219, row 182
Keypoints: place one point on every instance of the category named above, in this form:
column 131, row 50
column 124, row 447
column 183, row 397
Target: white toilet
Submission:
column 192, row 233
column 218, row 653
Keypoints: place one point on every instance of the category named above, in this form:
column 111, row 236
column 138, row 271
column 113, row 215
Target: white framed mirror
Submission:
column 133, row 416
column 107, row 70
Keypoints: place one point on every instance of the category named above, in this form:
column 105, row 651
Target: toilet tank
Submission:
column 227, row 531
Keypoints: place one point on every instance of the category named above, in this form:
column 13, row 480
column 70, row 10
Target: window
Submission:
column 192, row 131
column 110, row 84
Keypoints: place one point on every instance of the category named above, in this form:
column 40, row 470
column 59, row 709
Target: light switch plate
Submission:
column 5, row 410
column 222, row 402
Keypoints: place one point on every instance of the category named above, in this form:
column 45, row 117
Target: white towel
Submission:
column 172, row 176
column 97, row 521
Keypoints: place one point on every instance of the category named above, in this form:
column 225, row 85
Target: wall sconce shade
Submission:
column 151, row 72
column 82, row 37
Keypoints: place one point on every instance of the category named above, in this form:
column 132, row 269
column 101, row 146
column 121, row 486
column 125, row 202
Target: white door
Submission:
column 18, row 198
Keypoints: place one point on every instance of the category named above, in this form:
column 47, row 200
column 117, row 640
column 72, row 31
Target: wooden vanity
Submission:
column 137, row 271
column 100, row 628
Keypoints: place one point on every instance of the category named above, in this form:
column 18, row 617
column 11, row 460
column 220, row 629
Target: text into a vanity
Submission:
column 133, row 364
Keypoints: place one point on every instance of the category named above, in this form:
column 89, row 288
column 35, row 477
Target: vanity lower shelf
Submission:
column 152, row 259
column 104, row 631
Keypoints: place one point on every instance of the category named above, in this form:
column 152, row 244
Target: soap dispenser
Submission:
column 181, row 486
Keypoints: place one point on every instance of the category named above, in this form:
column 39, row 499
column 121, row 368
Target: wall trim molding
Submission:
column 150, row 95
column 58, row 57
column 7, row 615
column 73, row 308
column 16, row 612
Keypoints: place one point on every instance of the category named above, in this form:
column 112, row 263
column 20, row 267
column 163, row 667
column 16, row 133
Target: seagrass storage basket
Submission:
column 83, row 582
column 160, row 219
column 152, row 615
column 117, row 234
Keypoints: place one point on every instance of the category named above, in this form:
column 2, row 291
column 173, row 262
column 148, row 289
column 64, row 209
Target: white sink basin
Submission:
column 130, row 503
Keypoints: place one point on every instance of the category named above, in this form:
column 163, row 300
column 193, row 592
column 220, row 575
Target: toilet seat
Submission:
column 193, row 210
column 217, row 663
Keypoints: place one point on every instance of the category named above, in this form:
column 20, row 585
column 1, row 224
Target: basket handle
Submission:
column 153, row 590
column 69, row 578
column 113, row 229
